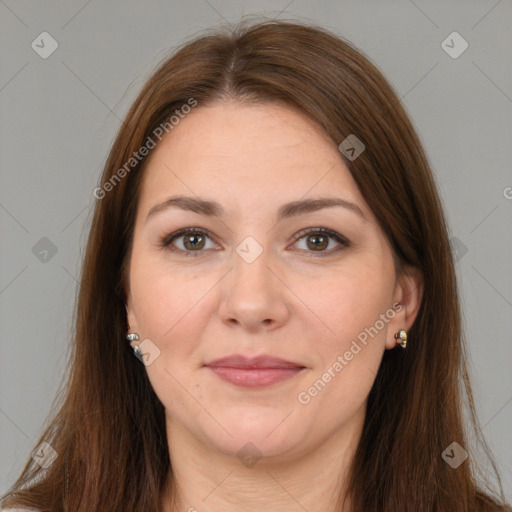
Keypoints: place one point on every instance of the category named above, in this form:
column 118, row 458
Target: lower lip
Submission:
column 254, row 378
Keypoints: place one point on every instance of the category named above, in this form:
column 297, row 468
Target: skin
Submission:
column 291, row 302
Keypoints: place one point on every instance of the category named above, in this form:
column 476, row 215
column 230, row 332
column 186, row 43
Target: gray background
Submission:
column 60, row 114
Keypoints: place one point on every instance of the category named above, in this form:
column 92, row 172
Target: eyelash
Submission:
column 344, row 242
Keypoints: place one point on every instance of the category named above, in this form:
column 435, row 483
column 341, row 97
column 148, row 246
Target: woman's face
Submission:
column 263, row 281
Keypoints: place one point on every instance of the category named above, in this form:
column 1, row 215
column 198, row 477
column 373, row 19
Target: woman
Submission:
column 268, row 241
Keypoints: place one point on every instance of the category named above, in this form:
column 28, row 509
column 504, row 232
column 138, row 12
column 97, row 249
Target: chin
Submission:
column 270, row 435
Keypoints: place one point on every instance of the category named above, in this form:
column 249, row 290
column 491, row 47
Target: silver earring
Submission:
column 133, row 337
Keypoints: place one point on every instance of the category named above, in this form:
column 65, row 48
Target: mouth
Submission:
column 254, row 372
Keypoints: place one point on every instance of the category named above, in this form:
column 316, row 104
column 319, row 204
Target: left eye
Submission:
column 194, row 240
column 318, row 238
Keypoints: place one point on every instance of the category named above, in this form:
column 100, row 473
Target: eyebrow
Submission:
column 286, row 211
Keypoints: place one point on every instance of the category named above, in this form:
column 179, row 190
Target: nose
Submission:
column 255, row 297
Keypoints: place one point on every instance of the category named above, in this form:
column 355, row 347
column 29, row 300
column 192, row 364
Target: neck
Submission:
column 206, row 480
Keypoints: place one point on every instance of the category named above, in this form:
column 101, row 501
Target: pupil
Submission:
column 319, row 241
column 193, row 240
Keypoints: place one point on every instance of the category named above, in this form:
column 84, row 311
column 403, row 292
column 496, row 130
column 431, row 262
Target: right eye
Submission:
column 193, row 240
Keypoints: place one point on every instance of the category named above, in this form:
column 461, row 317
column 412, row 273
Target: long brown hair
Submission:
column 109, row 431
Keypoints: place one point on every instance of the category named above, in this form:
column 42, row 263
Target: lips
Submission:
column 254, row 372
column 259, row 362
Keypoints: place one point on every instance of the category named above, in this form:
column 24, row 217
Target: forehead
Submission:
column 246, row 154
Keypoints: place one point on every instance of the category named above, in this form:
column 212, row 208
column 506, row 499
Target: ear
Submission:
column 407, row 298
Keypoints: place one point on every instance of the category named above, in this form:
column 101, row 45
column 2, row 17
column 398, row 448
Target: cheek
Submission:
column 169, row 312
column 343, row 388
column 166, row 302
column 355, row 307
column 340, row 384
column 347, row 301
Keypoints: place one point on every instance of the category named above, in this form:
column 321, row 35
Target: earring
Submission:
column 401, row 337
column 133, row 337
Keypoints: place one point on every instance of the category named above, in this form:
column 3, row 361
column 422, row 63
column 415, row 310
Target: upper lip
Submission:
column 262, row 361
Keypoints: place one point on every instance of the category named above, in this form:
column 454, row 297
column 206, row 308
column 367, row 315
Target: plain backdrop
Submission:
column 60, row 114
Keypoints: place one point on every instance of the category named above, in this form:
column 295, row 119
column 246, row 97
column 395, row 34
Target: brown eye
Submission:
column 318, row 239
column 193, row 240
